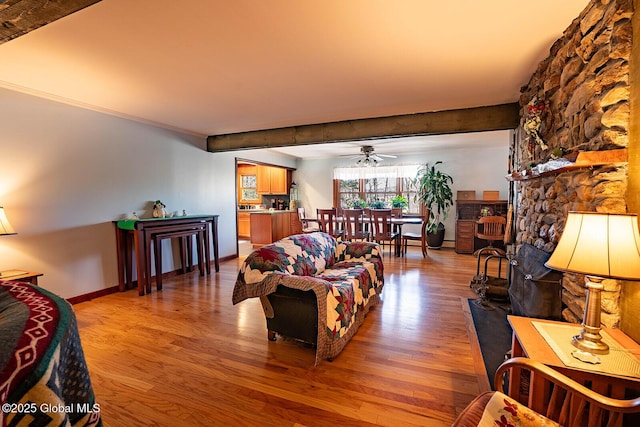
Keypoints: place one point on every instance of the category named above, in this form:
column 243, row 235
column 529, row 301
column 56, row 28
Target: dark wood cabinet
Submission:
column 467, row 213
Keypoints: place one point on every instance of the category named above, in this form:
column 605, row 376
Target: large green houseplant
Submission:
column 434, row 190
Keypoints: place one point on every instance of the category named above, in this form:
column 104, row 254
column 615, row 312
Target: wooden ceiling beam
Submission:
column 18, row 17
column 480, row 119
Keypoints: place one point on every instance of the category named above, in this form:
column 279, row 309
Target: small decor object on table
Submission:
column 159, row 210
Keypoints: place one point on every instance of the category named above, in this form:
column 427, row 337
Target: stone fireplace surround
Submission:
column 584, row 88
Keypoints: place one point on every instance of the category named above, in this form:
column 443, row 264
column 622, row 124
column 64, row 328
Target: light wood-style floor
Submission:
column 186, row 356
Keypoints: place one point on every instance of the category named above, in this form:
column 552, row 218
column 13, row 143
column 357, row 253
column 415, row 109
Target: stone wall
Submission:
column 577, row 100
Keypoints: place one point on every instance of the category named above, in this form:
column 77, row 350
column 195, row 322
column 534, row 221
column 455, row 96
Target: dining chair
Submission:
column 327, row 219
column 413, row 236
column 396, row 212
column 382, row 230
column 309, row 225
column 353, row 225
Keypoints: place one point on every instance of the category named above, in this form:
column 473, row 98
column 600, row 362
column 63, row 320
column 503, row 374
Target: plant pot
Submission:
column 435, row 240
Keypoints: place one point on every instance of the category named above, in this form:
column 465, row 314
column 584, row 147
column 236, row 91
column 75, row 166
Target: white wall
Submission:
column 66, row 173
column 479, row 168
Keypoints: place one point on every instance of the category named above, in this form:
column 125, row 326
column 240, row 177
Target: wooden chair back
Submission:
column 422, row 236
column 309, row 225
column 381, row 227
column 301, row 214
column 327, row 221
column 491, row 228
column 353, row 224
column 380, row 224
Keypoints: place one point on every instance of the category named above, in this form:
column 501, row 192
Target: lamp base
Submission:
column 592, row 345
column 590, row 339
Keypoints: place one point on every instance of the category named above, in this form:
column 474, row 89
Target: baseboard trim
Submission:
column 113, row 289
column 92, row 295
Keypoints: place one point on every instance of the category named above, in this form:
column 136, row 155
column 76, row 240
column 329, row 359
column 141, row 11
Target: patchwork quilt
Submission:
column 44, row 379
column 347, row 278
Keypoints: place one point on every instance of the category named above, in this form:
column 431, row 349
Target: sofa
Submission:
column 313, row 288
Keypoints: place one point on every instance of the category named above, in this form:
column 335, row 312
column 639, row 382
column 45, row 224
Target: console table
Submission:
column 139, row 234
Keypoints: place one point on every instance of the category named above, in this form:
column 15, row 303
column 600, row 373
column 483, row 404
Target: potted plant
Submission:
column 377, row 204
column 356, row 204
column 399, row 202
column 434, row 190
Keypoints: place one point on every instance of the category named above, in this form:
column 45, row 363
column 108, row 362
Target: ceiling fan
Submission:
column 369, row 158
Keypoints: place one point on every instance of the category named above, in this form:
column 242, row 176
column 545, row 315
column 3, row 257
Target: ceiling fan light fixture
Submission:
column 369, row 158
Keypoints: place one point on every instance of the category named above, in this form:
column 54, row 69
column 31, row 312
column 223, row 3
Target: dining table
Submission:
column 397, row 223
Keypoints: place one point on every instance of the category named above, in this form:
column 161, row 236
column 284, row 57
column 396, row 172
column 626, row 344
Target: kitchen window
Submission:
column 248, row 190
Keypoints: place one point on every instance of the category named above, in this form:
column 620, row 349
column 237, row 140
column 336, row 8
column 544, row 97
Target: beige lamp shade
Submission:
column 5, row 226
column 599, row 244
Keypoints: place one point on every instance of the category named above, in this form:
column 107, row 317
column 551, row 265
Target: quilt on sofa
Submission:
column 346, row 277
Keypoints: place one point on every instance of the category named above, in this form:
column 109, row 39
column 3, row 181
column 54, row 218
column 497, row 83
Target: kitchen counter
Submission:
column 269, row 226
column 268, row 212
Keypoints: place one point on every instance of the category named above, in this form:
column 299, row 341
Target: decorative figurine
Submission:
column 159, row 210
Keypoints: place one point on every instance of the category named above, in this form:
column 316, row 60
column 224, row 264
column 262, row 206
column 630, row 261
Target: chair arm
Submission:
column 565, row 383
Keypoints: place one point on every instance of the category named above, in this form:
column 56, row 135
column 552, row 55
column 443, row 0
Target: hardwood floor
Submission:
column 186, row 356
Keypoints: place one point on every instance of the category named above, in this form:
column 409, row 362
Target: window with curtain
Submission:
column 380, row 184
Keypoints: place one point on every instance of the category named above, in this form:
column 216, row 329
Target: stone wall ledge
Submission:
column 585, row 159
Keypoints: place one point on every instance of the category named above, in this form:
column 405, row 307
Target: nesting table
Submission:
column 140, row 234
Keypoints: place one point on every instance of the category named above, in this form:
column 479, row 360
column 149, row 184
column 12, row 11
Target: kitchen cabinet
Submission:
column 244, row 225
column 271, row 180
column 267, row 227
column 278, row 180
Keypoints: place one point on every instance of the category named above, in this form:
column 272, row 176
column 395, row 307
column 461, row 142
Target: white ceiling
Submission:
column 218, row 66
column 400, row 146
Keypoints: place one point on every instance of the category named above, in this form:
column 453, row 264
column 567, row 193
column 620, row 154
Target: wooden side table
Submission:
column 138, row 235
column 528, row 342
column 21, row 276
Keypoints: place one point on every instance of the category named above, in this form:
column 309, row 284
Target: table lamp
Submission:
column 598, row 245
column 5, row 226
